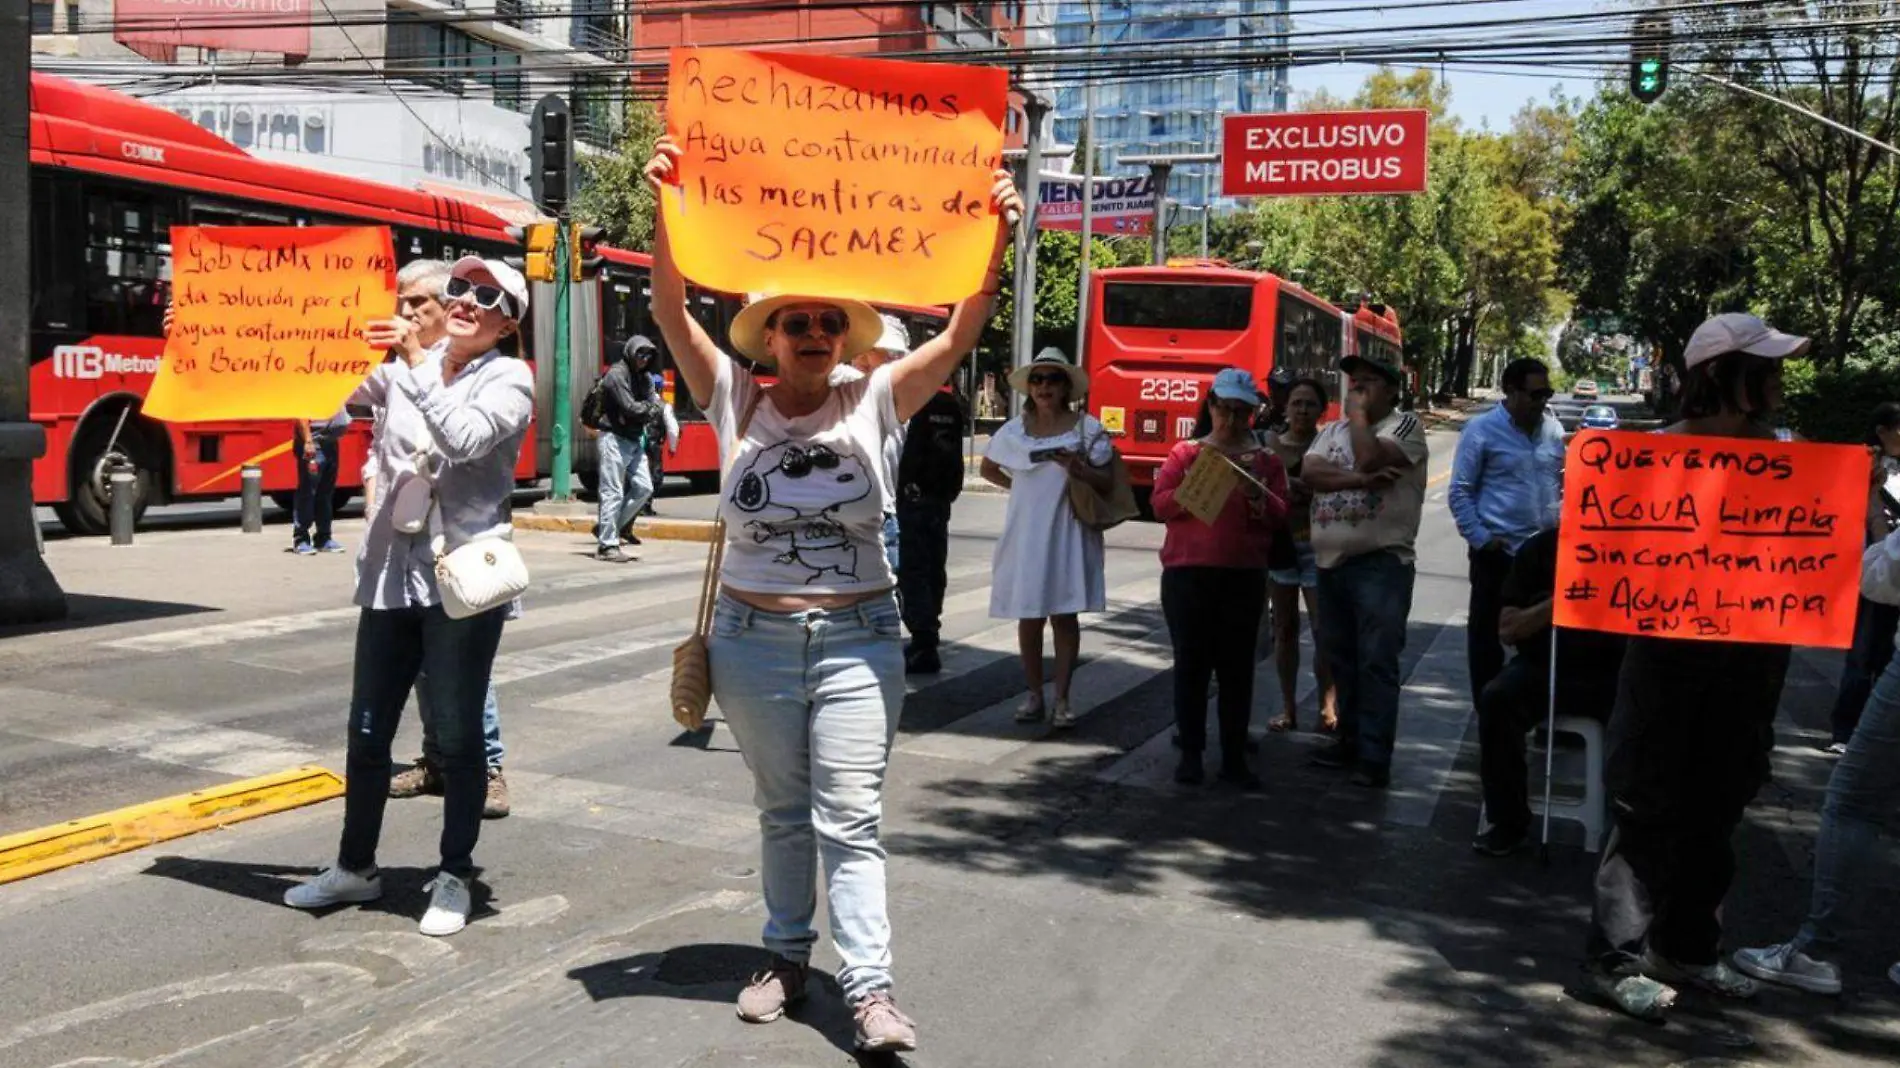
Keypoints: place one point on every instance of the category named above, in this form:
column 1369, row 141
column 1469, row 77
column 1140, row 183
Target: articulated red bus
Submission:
column 1157, row 335
column 112, row 175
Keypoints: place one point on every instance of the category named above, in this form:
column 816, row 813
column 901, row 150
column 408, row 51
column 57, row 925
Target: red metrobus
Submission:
column 1157, row 335
column 111, row 175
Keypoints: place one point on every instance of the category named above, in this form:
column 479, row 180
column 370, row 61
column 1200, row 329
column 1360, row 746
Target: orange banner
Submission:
column 837, row 177
column 1712, row 538
column 268, row 320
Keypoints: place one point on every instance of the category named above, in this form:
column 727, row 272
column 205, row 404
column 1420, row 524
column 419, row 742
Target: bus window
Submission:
column 1308, row 342
column 205, row 212
column 128, row 260
column 1378, row 349
column 58, row 262
column 1166, row 306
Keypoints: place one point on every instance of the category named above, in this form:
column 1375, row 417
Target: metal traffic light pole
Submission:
column 563, row 460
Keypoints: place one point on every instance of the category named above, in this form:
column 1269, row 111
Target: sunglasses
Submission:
column 1234, row 408
column 1048, row 379
column 799, row 462
column 1539, row 394
column 797, row 324
column 484, row 295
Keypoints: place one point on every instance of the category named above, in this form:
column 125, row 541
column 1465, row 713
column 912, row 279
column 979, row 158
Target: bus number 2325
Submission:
column 1185, row 390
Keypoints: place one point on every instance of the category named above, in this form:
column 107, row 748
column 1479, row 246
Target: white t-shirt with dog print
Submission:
column 802, row 499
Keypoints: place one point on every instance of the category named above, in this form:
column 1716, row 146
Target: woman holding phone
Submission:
column 1048, row 566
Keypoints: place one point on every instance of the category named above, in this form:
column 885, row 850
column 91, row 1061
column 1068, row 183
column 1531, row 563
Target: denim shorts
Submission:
column 1306, row 576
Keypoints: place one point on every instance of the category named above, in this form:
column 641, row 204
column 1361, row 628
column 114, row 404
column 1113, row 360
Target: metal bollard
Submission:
column 122, row 484
column 253, row 499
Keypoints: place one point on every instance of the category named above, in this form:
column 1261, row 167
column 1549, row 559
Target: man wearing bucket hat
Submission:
column 1367, row 473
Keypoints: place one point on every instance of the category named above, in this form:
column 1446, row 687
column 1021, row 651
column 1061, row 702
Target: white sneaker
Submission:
column 1064, row 717
column 448, row 906
column 1789, row 966
column 1894, row 973
column 1031, row 709
column 336, row 886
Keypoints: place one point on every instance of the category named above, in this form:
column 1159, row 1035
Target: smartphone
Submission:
column 1037, row 456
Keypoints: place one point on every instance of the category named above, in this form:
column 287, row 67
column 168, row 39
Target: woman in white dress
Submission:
column 1047, row 565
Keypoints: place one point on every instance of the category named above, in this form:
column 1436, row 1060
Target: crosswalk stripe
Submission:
column 91, row 724
column 700, row 822
column 992, row 734
column 202, row 637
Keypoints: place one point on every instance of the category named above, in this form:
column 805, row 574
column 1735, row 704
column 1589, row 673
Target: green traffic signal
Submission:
column 1649, row 76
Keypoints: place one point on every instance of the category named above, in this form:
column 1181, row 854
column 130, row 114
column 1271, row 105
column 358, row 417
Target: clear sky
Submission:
column 1478, row 96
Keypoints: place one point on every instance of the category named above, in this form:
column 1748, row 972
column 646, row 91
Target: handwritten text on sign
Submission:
column 268, row 320
column 837, row 177
column 1713, row 538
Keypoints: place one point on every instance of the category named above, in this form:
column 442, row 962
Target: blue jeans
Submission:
column 625, row 485
column 813, row 700
column 1861, row 796
column 491, row 727
column 316, row 493
column 1363, row 605
column 450, row 660
column 1874, row 626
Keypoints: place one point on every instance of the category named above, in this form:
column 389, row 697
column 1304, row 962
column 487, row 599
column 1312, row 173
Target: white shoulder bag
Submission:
column 485, row 573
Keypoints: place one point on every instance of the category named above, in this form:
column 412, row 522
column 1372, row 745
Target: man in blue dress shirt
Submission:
column 1506, row 485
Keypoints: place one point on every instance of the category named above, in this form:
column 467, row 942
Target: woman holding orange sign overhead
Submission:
column 1689, row 738
column 806, row 644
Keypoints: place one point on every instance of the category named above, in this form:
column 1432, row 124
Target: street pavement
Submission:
column 1056, row 900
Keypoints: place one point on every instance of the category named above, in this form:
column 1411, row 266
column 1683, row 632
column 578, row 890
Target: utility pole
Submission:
column 1160, row 167
column 28, row 591
column 1023, row 339
column 1088, row 186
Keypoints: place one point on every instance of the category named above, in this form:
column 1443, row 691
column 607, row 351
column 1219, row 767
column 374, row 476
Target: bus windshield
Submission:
column 1172, row 306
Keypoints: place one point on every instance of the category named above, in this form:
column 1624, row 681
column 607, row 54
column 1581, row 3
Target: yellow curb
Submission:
column 699, row 530
column 47, row 849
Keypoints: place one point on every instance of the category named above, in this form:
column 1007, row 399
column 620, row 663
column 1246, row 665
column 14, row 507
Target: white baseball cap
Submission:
column 895, row 339
column 1740, row 332
column 506, row 277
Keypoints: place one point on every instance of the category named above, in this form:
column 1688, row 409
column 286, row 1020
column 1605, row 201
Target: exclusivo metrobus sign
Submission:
column 1324, row 153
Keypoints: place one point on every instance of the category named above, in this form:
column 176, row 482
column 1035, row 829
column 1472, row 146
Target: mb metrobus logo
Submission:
column 91, row 361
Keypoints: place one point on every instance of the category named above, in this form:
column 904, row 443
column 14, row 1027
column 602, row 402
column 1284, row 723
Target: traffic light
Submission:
column 537, row 260
column 1649, row 58
column 550, row 155
column 583, row 246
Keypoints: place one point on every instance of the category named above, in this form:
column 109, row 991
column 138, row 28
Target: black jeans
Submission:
column 1484, row 650
column 316, row 493
column 1213, row 618
column 1874, row 628
column 923, row 550
column 1514, row 703
column 450, row 659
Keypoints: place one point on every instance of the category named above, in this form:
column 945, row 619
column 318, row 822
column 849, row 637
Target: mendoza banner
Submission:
column 1122, row 205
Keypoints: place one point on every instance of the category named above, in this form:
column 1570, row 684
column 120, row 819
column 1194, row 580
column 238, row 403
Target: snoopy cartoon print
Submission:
column 795, row 492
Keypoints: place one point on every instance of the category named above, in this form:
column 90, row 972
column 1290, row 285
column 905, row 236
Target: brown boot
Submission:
column 419, row 778
column 495, row 805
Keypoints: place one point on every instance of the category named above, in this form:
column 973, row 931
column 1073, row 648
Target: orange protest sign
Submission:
column 1713, row 538
column 268, row 320
column 859, row 178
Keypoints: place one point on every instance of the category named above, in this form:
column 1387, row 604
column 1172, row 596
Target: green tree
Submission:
column 614, row 194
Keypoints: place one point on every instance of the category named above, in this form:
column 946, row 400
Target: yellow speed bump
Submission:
column 77, row 841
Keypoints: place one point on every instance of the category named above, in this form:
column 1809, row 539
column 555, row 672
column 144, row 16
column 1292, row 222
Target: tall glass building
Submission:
column 1156, row 115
